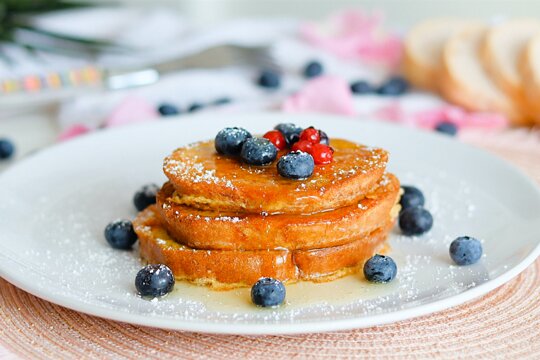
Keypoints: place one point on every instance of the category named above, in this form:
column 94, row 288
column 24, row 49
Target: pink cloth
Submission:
column 73, row 131
column 131, row 110
column 354, row 34
column 325, row 94
column 429, row 119
column 460, row 117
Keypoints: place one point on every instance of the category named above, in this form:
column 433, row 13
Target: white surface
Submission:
column 56, row 204
column 398, row 12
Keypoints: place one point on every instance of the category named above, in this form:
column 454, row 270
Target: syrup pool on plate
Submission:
column 301, row 294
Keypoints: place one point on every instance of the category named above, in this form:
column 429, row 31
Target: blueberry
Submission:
column 361, row 87
column 446, row 127
column 296, row 165
column 195, row 107
column 222, row 101
column 290, row 131
column 415, row 221
column 269, row 79
column 258, row 151
column 394, row 86
column 324, row 139
column 268, row 292
column 154, row 280
column 313, row 69
column 145, row 197
column 229, row 141
column 168, row 110
column 380, row 269
column 412, row 197
column 120, row 234
column 6, row 149
column 465, row 250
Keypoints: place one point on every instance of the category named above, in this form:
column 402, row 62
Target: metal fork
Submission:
column 214, row 57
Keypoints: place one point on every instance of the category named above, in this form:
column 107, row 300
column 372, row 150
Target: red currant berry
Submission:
column 276, row 138
column 310, row 134
column 322, row 154
column 302, row 145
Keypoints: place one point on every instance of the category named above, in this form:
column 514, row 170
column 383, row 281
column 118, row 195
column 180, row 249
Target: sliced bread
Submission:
column 465, row 82
column 423, row 47
column 530, row 75
column 501, row 50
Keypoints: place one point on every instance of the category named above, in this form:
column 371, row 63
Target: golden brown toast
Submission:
column 205, row 179
column 225, row 269
column 206, row 229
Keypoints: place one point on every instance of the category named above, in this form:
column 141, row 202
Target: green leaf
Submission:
column 87, row 42
column 15, row 15
column 28, row 6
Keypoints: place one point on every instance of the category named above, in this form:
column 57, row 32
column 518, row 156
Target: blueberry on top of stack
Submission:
column 292, row 204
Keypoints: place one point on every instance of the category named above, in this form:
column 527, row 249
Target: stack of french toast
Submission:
column 479, row 66
column 222, row 223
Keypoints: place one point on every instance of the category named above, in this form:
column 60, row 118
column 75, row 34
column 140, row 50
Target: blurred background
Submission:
column 68, row 68
column 400, row 13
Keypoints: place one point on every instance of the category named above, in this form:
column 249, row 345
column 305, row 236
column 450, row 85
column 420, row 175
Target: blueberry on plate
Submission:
column 269, row 79
column 258, row 151
column 446, row 127
column 222, row 101
column 465, row 250
column 229, row 141
column 168, row 110
column 313, row 69
column 268, row 292
column 412, row 197
column 120, row 234
column 415, row 221
column 6, row 149
column 154, row 280
column 361, row 87
column 393, row 87
column 290, row 131
column 380, row 269
column 296, row 165
column 195, row 107
column 145, row 196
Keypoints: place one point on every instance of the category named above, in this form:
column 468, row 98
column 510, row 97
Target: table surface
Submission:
column 503, row 324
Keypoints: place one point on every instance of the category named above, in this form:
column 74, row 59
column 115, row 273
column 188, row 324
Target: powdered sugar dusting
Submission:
column 66, row 255
column 195, row 172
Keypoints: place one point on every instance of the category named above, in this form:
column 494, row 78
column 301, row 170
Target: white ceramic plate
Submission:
column 56, row 204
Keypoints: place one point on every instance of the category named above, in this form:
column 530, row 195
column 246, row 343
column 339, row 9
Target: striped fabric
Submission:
column 86, row 76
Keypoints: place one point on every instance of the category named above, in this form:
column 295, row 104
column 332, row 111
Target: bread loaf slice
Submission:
column 530, row 75
column 423, row 47
column 501, row 51
column 465, row 82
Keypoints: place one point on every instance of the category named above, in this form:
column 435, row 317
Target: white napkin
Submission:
column 158, row 34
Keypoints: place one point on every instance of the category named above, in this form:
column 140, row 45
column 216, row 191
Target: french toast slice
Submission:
column 214, row 230
column 205, row 180
column 226, row 269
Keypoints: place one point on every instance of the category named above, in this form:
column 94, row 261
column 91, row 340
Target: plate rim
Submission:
column 298, row 327
column 281, row 328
